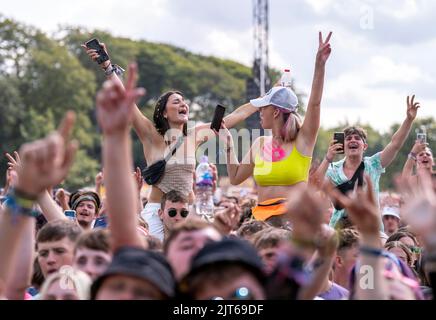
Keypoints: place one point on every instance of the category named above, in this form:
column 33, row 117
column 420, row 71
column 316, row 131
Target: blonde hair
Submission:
column 292, row 125
column 80, row 280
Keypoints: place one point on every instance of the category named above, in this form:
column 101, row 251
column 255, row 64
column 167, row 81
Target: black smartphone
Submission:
column 95, row 44
column 340, row 138
column 218, row 117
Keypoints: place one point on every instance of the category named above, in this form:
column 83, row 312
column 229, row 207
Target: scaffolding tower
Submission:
column 258, row 84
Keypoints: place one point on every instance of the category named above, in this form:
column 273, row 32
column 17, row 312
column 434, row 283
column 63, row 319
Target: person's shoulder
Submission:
column 374, row 160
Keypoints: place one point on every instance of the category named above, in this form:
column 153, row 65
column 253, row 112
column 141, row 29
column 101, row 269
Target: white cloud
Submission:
column 225, row 44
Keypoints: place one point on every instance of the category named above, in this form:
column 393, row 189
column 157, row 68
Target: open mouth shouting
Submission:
column 183, row 113
column 353, row 146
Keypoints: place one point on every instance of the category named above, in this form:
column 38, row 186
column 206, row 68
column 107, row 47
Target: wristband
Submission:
column 370, row 251
column 328, row 160
column 378, row 252
column 113, row 68
column 19, row 205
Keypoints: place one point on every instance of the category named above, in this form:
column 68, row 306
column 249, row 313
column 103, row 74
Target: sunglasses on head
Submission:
column 173, row 212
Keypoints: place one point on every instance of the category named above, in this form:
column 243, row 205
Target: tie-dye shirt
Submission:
column 336, row 174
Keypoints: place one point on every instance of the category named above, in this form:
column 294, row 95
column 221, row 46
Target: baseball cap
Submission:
column 281, row 97
column 391, row 211
column 139, row 263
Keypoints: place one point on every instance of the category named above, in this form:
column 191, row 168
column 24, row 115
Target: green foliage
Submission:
column 39, row 81
column 83, row 172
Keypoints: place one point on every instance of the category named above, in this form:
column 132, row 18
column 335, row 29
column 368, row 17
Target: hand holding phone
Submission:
column 71, row 214
column 95, row 44
column 340, row 138
column 218, row 117
column 421, row 137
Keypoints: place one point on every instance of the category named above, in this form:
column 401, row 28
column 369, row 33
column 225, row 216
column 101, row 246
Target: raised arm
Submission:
column 317, row 178
column 45, row 163
column 391, row 150
column 21, row 274
column 411, row 159
column 49, row 207
column 143, row 127
column 309, row 129
column 238, row 172
column 115, row 108
column 13, row 225
column 203, row 131
column 325, row 255
column 240, row 114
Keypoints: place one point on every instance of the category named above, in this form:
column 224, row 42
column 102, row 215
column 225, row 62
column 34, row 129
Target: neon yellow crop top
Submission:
column 286, row 172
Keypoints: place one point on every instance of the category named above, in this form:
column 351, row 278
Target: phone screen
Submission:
column 218, row 117
column 340, row 138
column 71, row 214
column 95, row 44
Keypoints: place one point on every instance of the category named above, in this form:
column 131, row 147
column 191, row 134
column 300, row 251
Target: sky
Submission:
column 382, row 51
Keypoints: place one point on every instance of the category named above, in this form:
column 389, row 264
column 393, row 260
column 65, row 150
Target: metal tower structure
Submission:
column 260, row 67
column 260, row 81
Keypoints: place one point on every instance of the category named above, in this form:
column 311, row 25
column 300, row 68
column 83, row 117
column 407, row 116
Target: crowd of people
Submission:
column 304, row 232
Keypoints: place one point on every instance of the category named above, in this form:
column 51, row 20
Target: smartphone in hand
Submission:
column 340, row 138
column 95, row 44
column 218, row 117
column 422, row 137
column 71, row 214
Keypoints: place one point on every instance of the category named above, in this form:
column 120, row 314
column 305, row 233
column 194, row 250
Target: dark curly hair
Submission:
column 160, row 122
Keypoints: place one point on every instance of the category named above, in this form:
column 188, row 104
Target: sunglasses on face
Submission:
column 172, row 212
column 242, row 293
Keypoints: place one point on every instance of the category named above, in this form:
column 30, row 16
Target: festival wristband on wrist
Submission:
column 19, row 204
column 113, row 68
column 376, row 252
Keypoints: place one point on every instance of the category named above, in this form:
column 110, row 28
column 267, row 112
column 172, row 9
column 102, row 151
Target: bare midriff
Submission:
column 272, row 192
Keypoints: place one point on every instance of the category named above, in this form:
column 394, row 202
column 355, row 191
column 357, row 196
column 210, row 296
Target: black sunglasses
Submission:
column 173, row 212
